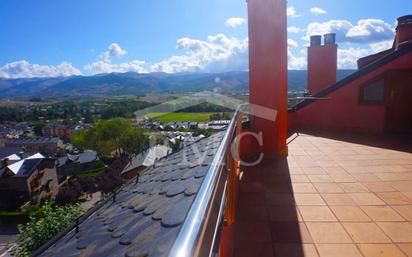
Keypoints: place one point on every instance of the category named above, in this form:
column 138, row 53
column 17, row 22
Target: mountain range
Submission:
column 135, row 83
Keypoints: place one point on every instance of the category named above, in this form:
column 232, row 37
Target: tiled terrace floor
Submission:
column 329, row 198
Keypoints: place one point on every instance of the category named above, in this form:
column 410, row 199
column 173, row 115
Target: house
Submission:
column 30, row 179
column 375, row 99
column 193, row 125
column 58, row 130
column 72, row 164
column 144, row 160
column 7, row 151
column 45, row 145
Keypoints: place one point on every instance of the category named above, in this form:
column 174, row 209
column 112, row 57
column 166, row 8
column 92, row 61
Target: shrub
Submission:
column 43, row 226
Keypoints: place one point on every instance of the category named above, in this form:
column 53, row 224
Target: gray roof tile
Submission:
column 146, row 217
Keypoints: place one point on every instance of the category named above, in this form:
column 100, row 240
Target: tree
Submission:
column 88, row 117
column 43, row 225
column 175, row 145
column 133, row 141
column 38, row 128
column 111, row 136
column 79, row 139
column 67, row 122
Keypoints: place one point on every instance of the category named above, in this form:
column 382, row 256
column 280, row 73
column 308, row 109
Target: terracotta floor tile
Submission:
column 251, row 187
column 338, row 250
column 338, row 199
column 366, row 177
column 255, row 213
column 296, row 250
column 366, row 199
column 379, row 186
column 349, row 213
column 316, row 213
column 303, row 188
column 406, row 248
column 380, row 250
column 328, row 188
column 314, row 171
column 320, row 178
column 403, row 186
column 290, row 232
column 390, row 176
column 284, row 213
column 382, row 213
column 400, row 232
column 279, row 199
column 248, row 248
column 408, row 194
column 353, row 187
column 394, row 198
column 309, row 199
column 299, row 178
column 404, row 210
column 253, row 231
column 325, row 232
column 252, row 199
column 366, row 233
column 342, row 177
column 335, row 169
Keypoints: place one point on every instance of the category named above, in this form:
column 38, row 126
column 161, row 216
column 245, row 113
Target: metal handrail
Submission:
column 197, row 237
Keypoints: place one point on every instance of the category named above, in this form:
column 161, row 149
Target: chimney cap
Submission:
column 330, row 38
column 405, row 20
column 315, row 40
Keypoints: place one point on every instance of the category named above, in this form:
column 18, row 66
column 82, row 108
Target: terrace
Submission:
column 332, row 196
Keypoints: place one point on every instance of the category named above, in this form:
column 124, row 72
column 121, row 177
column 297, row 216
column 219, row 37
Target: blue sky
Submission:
column 71, row 37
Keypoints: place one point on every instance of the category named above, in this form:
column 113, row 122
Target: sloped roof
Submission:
column 26, row 166
column 155, row 153
column 148, row 158
column 7, row 151
column 85, row 157
column 146, row 217
column 29, row 141
column 36, row 156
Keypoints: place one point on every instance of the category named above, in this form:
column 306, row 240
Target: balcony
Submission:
column 333, row 195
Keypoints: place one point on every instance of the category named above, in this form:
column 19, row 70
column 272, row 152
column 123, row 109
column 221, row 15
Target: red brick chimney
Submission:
column 322, row 62
column 403, row 31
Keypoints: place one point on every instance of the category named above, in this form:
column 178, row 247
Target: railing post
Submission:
column 233, row 171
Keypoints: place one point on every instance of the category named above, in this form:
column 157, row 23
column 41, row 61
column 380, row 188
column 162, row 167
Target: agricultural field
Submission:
column 180, row 116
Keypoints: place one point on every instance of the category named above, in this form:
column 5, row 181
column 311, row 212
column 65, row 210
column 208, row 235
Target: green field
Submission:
column 180, row 116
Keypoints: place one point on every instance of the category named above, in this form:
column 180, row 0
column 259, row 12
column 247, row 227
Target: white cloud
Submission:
column 296, row 62
column 291, row 12
column 217, row 53
column 370, row 31
column 381, row 46
column 292, row 43
column 317, row 11
column 114, row 51
column 235, row 22
column 365, row 31
column 340, row 27
column 294, row 30
column 105, row 65
column 24, row 69
column 347, row 58
column 108, row 67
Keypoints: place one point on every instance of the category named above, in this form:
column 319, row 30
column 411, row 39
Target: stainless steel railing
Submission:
column 199, row 235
